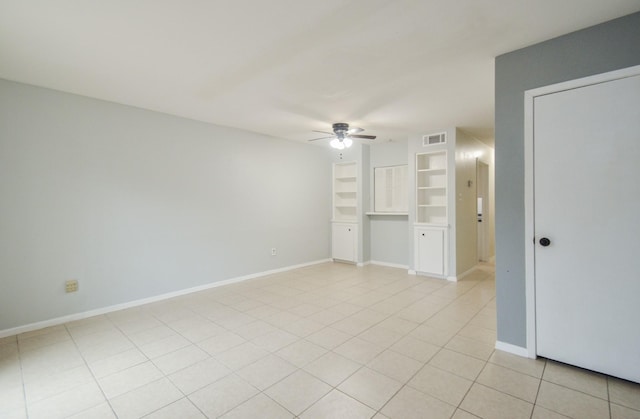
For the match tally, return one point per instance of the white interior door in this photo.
(587, 203)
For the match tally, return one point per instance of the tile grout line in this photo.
(95, 379)
(439, 350)
(24, 387)
(535, 401)
(609, 398)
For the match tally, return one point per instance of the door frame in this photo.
(482, 188)
(529, 179)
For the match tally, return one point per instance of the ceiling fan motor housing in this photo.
(341, 129)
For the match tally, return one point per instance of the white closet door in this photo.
(587, 204)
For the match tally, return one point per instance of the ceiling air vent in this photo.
(431, 139)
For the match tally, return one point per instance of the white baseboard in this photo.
(390, 265)
(412, 272)
(456, 278)
(109, 309)
(512, 349)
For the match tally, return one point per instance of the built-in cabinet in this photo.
(430, 246)
(344, 226)
(431, 222)
(344, 241)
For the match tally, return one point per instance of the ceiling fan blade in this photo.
(355, 130)
(366, 137)
(322, 138)
(323, 132)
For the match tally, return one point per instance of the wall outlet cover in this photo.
(71, 285)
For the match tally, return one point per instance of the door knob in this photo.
(544, 242)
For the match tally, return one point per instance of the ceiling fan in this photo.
(343, 135)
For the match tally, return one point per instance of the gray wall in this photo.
(134, 203)
(606, 47)
(389, 242)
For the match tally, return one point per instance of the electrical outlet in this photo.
(71, 285)
(273, 251)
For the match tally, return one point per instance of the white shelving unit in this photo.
(345, 192)
(431, 188)
(344, 229)
(431, 222)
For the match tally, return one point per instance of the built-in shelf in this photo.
(433, 170)
(345, 195)
(431, 188)
(344, 225)
(399, 214)
(440, 225)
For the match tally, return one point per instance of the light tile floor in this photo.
(325, 341)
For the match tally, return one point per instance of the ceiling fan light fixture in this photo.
(343, 136)
(337, 144)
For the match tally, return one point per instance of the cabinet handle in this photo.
(349, 229)
(422, 234)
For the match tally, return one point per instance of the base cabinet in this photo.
(430, 251)
(344, 240)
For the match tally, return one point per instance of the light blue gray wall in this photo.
(389, 242)
(134, 203)
(606, 47)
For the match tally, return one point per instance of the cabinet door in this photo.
(430, 251)
(343, 240)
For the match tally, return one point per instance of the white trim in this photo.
(346, 262)
(529, 98)
(411, 272)
(513, 349)
(456, 278)
(529, 232)
(402, 214)
(109, 309)
(390, 265)
(434, 276)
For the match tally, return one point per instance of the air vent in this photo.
(431, 139)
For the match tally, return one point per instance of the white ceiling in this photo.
(286, 67)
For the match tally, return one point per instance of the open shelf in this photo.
(431, 188)
(345, 192)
